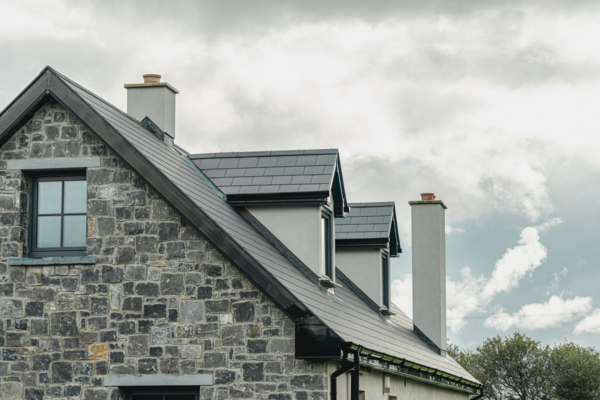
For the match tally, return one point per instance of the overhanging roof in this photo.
(168, 172)
(267, 177)
(370, 225)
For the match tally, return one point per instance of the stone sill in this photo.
(53, 260)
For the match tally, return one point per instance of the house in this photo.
(130, 269)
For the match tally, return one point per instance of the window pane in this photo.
(147, 397)
(48, 232)
(75, 231)
(180, 397)
(323, 244)
(49, 197)
(75, 197)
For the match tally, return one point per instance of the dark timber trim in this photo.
(380, 243)
(17, 113)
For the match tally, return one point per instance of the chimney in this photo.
(429, 270)
(153, 99)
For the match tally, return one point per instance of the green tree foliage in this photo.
(575, 372)
(520, 368)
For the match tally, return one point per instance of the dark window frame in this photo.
(385, 279)
(34, 251)
(163, 392)
(327, 216)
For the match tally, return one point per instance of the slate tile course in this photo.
(159, 300)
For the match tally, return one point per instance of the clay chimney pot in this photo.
(427, 196)
(152, 78)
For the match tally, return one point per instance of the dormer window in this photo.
(294, 194)
(364, 243)
(327, 243)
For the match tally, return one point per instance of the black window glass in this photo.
(385, 274)
(327, 243)
(59, 220)
(175, 394)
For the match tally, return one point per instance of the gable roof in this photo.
(369, 224)
(276, 176)
(344, 316)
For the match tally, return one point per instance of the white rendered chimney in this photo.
(153, 99)
(429, 269)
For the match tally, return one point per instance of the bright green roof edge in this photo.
(416, 366)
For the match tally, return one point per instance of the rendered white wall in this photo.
(298, 227)
(156, 103)
(429, 269)
(363, 267)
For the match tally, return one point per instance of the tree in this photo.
(514, 368)
(575, 372)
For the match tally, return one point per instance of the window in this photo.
(327, 243)
(385, 280)
(58, 219)
(176, 394)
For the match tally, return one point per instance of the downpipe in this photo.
(479, 396)
(354, 367)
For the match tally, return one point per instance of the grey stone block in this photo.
(171, 284)
(137, 346)
(243, 311)
(11, 308)
(191, 311)
(232, 335)
(61, 372)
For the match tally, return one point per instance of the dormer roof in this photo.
(369, 225)
(276, 177)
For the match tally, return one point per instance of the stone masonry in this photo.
(159, 300)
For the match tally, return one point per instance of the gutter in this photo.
(403, 367)
(354, 367)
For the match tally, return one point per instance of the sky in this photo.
(494, 106)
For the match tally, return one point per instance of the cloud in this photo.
(516, 263)
(475, 293)
(450, 229)
(549, 224)
(402, 294)
(556, 277)
(590, 324)
(552, 313)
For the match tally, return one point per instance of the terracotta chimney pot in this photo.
(152, 78)
(427, 196)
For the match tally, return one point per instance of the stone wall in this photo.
(159, 300)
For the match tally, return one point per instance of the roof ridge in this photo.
(265, 153)
(373, 204)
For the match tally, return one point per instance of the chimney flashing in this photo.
(150, 85)
(441, 203)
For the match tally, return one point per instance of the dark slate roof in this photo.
(269, 171)
(365, 222)
(346, 314)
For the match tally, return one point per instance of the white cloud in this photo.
(549, 224)
(590, 324)
(451, 229)
(516, 263)
(402, 294)
(552, 313)
(473, 294)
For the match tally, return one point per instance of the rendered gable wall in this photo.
(159, 301)
(299, 228)
(363, 267)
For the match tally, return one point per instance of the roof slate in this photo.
(269, 172)
(365, 221)
(347, 314)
